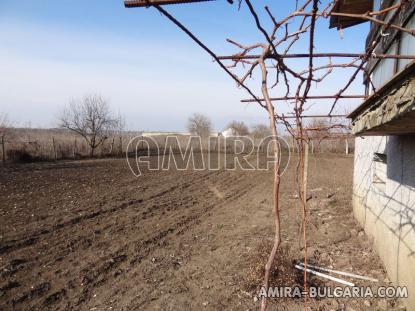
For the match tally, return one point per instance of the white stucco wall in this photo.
(387, 211)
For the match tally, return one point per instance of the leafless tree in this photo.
(200, 125)
(4, 123)
(239, 128)
(318, 122)
(260, 131)
(322, 124)
(91, 118)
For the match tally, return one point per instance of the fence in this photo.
(30, 145)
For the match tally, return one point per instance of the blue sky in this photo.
(53, 51)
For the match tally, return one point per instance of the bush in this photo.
(20, 155)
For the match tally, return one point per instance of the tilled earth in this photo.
(88, 235)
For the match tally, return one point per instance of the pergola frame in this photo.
(274, 50)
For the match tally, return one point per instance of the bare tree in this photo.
(4, 123)
(239, 128)
(318, 122)
(91, 118)
(200, 125)
(260, 131)
(319, 129)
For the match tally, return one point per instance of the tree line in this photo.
(200, 125)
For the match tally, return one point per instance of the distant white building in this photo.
(148, 134)
(230, 132)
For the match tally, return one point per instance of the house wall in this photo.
(386, 210)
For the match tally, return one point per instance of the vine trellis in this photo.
(271, 56)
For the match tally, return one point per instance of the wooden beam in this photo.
(317, 55)
(317, 116)
(147, 3)
(308, 97)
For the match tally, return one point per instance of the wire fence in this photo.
(49, 145)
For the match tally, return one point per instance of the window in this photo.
(392, 12)
(379, 176)
(385, 69)
(376, 5)
(406, 44)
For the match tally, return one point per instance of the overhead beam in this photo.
(316, 55)
(147, 3)
(316, 116)
(308, 97)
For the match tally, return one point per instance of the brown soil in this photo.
(88, 235)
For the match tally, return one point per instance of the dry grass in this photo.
(31, 145)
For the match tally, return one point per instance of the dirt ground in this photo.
(88, 235)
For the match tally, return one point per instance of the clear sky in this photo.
(150, 72)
